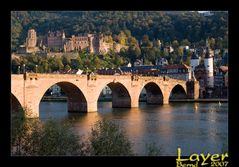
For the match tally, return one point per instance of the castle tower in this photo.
(91, 43)
(31, 40)
(208, 63)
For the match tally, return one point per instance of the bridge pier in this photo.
(166, 97)
(134, 102)
(166, 100)
(92, 106)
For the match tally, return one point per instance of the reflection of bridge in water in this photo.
(83, 91)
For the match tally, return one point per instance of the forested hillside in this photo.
(166, 26)
(139, 30)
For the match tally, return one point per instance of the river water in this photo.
(194, 127)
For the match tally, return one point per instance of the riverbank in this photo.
(64, 99)
(199, 100)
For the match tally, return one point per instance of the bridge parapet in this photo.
(55, 76)
(16, 76)
(114, 76)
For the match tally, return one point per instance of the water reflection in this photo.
(195, 127)
(196, 105)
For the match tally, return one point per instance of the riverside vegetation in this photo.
(32, 137)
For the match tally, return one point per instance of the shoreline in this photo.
(64, 99)
(200, 100)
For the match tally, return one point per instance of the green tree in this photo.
(156, 43)
(15, 65)
(16, 29)
(180, 51)
(170, 61)
(133, 53)
(148, 54)
(108, 139)
(118, 61)
(66, 60)
(57, 139)
(97, 62)
(132, 41)
(45, 66)
(157, 53)
(67, 67)
(188, 60)
(173, 59)
(185, 42)
(175, 44)
(127, 33)
(219, 43)
(55, 64)
(212, 43)
(122, 38)
(33, 137)
(146, 42)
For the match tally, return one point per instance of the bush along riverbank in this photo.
(31, 137)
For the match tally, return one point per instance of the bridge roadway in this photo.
(83, 91)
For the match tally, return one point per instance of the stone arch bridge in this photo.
(83, 91)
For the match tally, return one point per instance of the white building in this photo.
(177, 71)
(55, 90)
(79, 72)
(208, 63)
(106, 91)
(194, 61)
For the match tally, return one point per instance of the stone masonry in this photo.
(83, 91)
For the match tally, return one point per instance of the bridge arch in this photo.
(154, 94)
(178, 91)
(121, 97)
(76, 100)
(15, 104)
